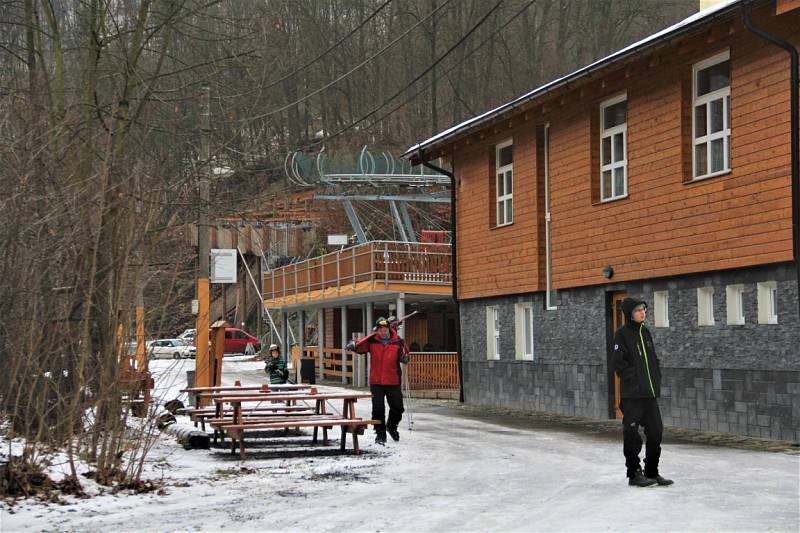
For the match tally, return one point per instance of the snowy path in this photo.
(450, 474)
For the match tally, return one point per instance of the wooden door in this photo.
(618, 320)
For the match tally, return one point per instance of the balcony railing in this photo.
(426, 370)
(378, 261)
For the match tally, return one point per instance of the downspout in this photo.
(453, 265)
(795, 134)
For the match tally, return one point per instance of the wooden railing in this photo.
(337, 362)
(426, 370)
(383, 261)
(433, 371)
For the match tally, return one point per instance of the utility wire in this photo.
(343, 76)
(330, 48)
(409, 85)
(386, 102)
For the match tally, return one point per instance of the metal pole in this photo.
(385, 265)
(367, 331)
(401, 311)
(284, 328)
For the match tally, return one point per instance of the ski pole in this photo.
(408, 395)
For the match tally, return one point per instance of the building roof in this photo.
(705, 16)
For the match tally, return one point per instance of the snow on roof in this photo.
(718, 9)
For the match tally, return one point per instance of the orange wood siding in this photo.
(668, 225)
(499, 259)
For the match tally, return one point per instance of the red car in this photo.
(236, 341)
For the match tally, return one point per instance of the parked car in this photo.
(236, 341)
(170, 348)
(188, 335)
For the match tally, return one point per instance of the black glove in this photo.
(271, 368)
(350, 346)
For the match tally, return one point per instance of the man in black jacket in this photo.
(636, 363)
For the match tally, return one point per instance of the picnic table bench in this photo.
(320, 418)
(207, 414)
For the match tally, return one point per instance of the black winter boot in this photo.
(380, 436)
(393, 433)
(662, 480)
(638, 480)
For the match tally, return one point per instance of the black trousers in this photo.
(394, 397)
(641, 412)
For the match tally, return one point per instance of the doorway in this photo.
(616, 318)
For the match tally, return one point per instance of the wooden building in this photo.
(343, 292)
(661, 172)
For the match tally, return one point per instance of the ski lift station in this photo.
(325, 301)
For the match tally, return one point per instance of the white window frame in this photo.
(661, 309)
(507, 198)
(705, 306)
(521, 352)
(492, 332)
(734, 297)
(610, 134)
(767, 302)
(705, 100)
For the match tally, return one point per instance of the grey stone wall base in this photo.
(740, 379)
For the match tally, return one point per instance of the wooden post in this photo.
(321, 341)
(343, 311)
(301, 341)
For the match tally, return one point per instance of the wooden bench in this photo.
(219, 423)
(202, 415)
(354, 426)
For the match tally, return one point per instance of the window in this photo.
(735, 299)
(524, 331)
(661, 309)
(705, 306)
(492, 332)
(613, 148)
(504, 185)
(768, 302)
(711, 124)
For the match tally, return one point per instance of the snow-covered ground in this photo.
(449, 474)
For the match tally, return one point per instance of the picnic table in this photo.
(201, 415)
(198, 392)
(317, 418)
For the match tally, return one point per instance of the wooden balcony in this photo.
(375, 267)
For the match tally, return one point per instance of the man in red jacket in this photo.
(387, 350)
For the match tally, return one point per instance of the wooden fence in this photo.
(433, 371)
(426, 370)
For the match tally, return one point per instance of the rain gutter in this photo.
(453, 265)
(795, 132)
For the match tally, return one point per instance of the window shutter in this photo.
(490, 332)
(519, 331)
